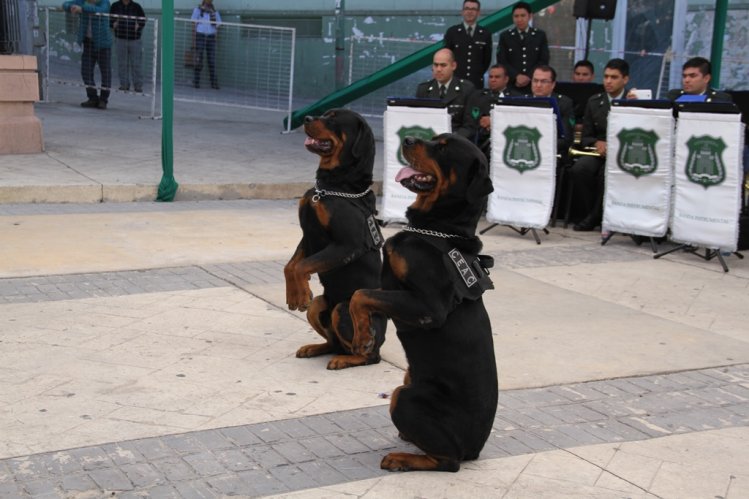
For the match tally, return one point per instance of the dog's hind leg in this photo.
(343, 328)
(403, 461)
(318, 316)
(426, 425)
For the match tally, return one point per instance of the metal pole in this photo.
(168, 186)
(340, 54)
(291, 79)
(719, 30)
(155, 66)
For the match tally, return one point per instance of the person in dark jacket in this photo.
(94, 36)
(695, 80)
(128, 19)
(479, 105)
(471, 44)
(588, 172)
(522, 48)
(452, 91)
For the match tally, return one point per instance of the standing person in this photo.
(206, 20)
(522, 48)
(453, 92)
(94, 36)
(127, 32)
(471, 44)
(588, 171)
(695, 80)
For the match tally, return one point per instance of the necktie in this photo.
(443, 91)
(470, 31)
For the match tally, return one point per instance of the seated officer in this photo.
(480, 102)
(542, 85)
(695, 80)
(452, 91)
(588, 171)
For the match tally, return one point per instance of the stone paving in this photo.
(342, 446)
(316, 451)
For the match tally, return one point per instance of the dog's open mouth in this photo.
(318, 146)
(415, 181)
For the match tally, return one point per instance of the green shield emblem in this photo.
(637, 151)
(475, 113)
(705, 162)
(521, 148)
(412, 131)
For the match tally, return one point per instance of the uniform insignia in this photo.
(374, 231)
(469, 278)
(412, 131)
(637, 151)
(521, 148)
(475, 112)
(705, 163)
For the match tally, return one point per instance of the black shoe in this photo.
(139, 90)
(102, 104)
(585, 225)
(124, 88)
(90, 103)
(214, 86)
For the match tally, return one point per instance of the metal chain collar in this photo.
(320, 193)
(434, 233)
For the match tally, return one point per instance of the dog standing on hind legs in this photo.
(432, 282)
(340, 237)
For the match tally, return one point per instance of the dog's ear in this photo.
(364, 140)
(480, 184)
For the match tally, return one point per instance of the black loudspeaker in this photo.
(595, 9)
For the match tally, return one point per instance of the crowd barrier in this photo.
(254, 64)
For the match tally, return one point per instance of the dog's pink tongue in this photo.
(406, 172)
(309, 141)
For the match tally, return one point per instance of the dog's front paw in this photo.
(299, 298)
(314, 350)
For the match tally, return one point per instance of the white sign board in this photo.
(639, 171)
(399, 122)
(523, 166)
(707, 186)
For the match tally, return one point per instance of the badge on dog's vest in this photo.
(463, 268)
(374, 231)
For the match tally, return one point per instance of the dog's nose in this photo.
(309, 119)
(409, 141)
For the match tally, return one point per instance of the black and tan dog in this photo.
(340, 237)
(432, 284)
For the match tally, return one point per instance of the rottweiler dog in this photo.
(432, 282)
(341, 240)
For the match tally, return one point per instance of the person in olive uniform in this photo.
(479, 104)
(588, 171)
(542, 85)
(522, 48)
(471, 44)
(695, 80)
(451, 90)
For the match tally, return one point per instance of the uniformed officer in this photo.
(480, 102)
(471, 44)
(542, 85)
(522, 48)
(695, 80)
(588, 171)
(451, 90)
